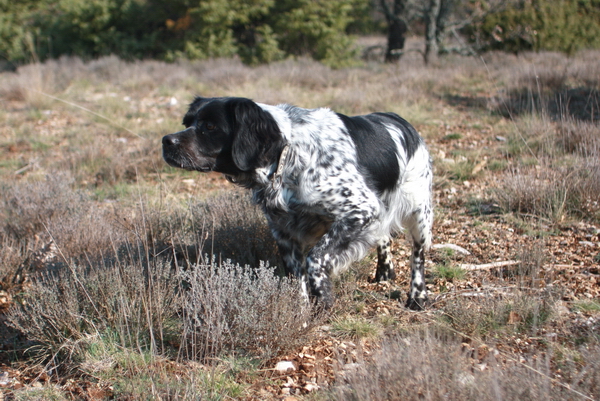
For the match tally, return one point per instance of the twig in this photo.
(454, 247)
(489, 265)
(28, 166)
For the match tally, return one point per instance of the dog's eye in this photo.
(210, 126)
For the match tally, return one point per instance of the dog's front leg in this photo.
(294, 260)
(341, 245)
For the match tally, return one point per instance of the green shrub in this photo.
(355, 328)
(566, 26)
(449, 272)
(259, 31)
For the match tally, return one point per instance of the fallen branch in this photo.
(454, 247)
(489, 265)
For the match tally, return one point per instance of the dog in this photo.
(331, 186)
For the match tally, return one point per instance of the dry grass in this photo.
(434, 366)
(237, 230)
(133, 304)
(490, 316)
(560, 176)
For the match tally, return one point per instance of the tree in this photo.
(445, 17)
(441, 18)
(397, 28)
(433, 31)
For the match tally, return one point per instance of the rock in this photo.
(284, 366)
(5, 380)
(466, 379)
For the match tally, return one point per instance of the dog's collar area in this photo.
(277, 178)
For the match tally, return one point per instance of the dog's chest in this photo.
(302, 226)
(294, 219)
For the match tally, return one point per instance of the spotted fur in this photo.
(345, 184)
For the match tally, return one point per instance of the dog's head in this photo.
(227, 135)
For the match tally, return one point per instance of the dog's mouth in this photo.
(203, 169)
(174, 159)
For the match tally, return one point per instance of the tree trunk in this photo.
(397, 29)
(431, 40)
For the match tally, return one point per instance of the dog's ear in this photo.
(256, 134)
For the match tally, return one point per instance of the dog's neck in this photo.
(277, 178)
(268, 176)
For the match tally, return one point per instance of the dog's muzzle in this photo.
(170, 141)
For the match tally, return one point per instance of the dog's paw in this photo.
(416, 304)
(384, 275)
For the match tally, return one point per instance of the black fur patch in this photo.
(376, 151)
(411, 138)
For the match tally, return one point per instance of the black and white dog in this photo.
(331, 186)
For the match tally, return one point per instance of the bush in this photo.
(236, 229)
(259, 31)
(490, 316)
(242, 310)
(49, 210)
(316, 28)
(566, 26)
(552, 193)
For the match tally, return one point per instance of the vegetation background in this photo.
(122, 278)
(262, 31)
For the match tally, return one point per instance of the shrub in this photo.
(258, 31)
(354, 328)
(553, 194)
(49, 210)
(140, 375)
(449, 272)
(564, 180)
(489, 316)
(566, 26)
(252, 312)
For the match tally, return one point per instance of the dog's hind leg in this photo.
(419, 226)
(385, 267)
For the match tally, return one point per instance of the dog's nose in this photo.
(170, 140)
